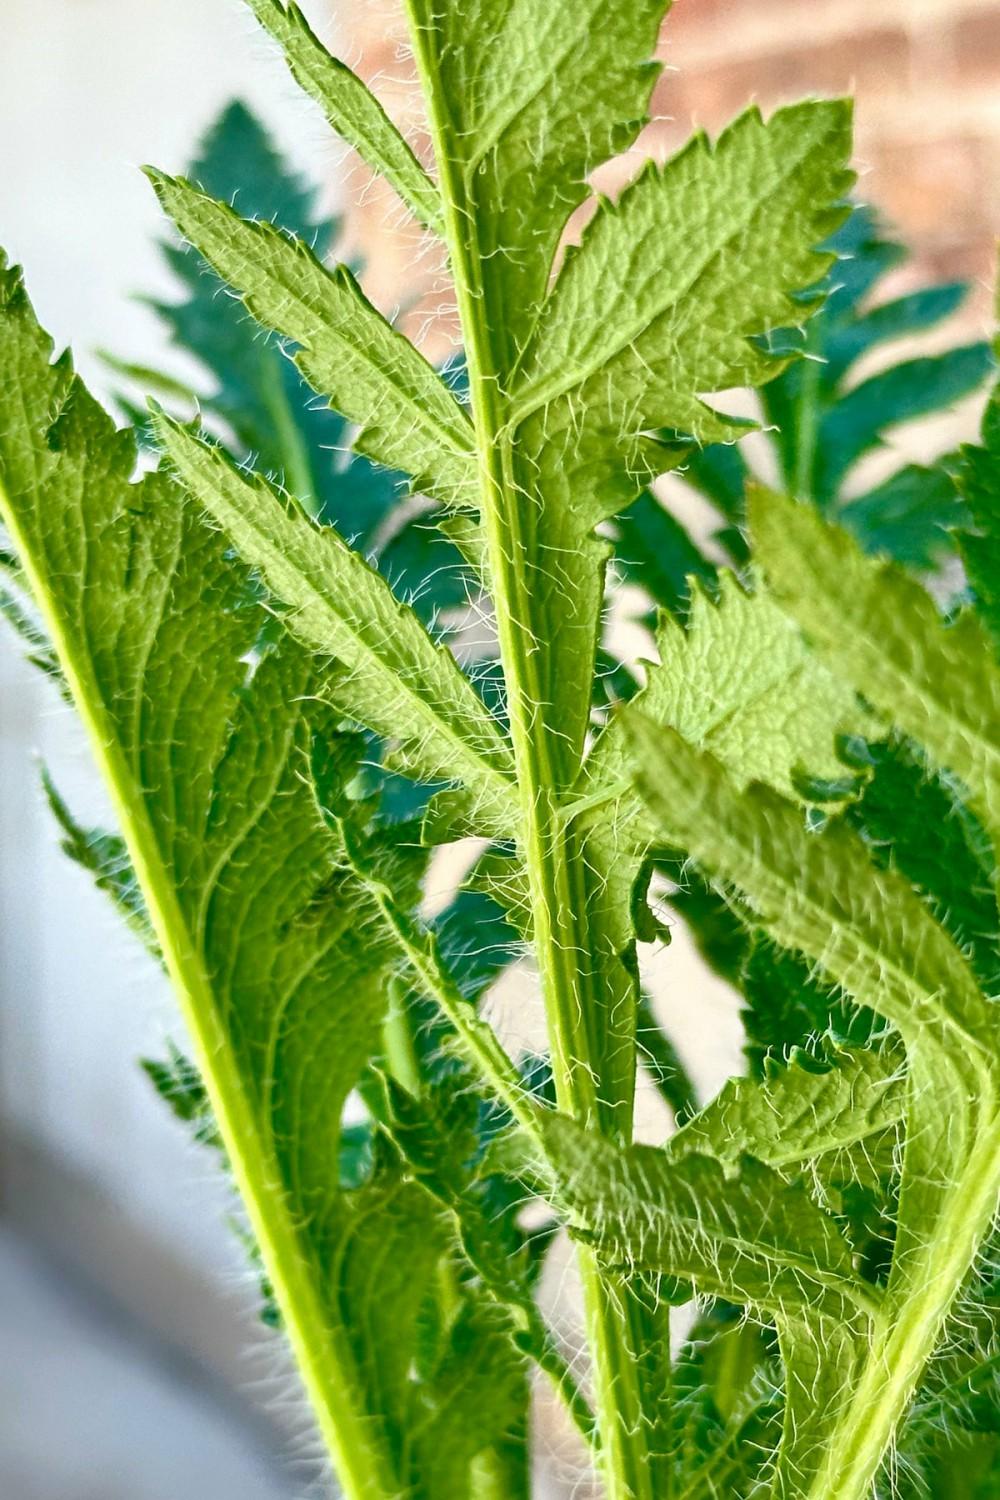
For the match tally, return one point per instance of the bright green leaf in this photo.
(395, 679)
(351, 108)
(347, 351)
(880, 631)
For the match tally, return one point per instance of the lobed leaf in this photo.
(854, 426)
(750, 1237)
(737, 680)
(272, 944)
(763, 200)
(351, 108)
(396, 680)
(878, 629)
(818, 893)
(514, 73)
(800, 1111)
(408, 418)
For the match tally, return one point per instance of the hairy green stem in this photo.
(547, 845)
(910, 1327)
(321, 1350)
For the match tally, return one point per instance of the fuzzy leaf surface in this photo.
(752, 1233)
(817, 893)
(271, 942)
(408, 418)
(800, 1111)
(396, 680)
(514, 73)
(882, 632)
(351, 108)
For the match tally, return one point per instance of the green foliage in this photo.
(824, 418)
(262, 924)
(264, 639)
(979, 481)
(408, 418)
(940, 682)
(256, 396)
(351, 108)
(392, 674)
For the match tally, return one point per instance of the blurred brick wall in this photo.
(926, 75)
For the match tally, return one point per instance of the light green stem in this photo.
(799, 476)
(911, 1327)
(320, 1347)
(559, 924)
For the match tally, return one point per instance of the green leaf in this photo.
(979, 481)
(663, 1063)
(720, 473)
(917, 823)
(909, 516)
(515, 77)
(819, 422)
(787, 1003)
(735, 248)
(856, 424)
(749, 1236)
(852, 336)
(940, 683)
(395, 679)
(180, 1086)
(737, 680)
(800, 1110)
(257, 924)
(440, 1148)
(275, 948)
(817, 893)
(654, 550)
(259, 398)
(105, 856)
(258, 395)
(869, 931)
(417, 945)
(823, 419)
(408, 418)
(351, 108)
(16, 609)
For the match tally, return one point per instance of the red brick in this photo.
(706, 20)
(879, 62)
(933, 189)
(976, 40)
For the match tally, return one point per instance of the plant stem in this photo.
(910, 1328)
(320, 1347)
(800, 476)
(547, 844)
